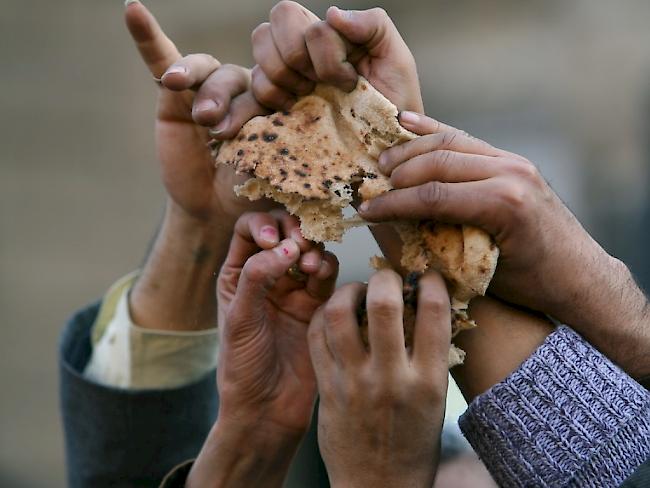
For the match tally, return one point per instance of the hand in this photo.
(196, 93)
(264, 367)
(381, 410)
(548, 261)
(176, 288)
(265, 378)
(296, 49)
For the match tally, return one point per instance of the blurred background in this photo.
(567, 84)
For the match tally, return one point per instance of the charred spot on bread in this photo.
(269, 136)
(284, 151)
(253, 137)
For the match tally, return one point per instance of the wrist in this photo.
(176, 289)
(237, 453)
(612, 313)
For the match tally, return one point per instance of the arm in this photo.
(548, 262)
(545, 408)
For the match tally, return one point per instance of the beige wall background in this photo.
(565, 83)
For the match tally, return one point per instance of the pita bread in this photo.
(313, 158)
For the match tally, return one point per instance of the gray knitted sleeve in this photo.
(568, 417)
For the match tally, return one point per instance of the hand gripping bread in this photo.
(313, 159)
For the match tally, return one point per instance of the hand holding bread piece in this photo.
(314, 159)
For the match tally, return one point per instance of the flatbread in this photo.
(313, 158)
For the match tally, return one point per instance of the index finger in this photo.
(156, 49)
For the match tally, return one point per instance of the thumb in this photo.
(259, 275)
(156, 49)
(372, 28)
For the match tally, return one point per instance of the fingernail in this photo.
(129, 2)
(312, 261)
(270, 233)
(364, 207)
(287, 249)
(204, 105)
(407, 117)
(220, 127)
(172, 70)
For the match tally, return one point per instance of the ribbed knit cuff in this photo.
(567, 417)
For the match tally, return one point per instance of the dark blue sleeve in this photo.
(133, 438)
(126, 438)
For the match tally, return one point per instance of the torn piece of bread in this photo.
(313, 158)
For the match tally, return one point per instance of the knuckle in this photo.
(442, 157)
(334, 312)
(295, 58)
(277, 73)
(513, 194)
(434, 302)
(448, 139)
(316, 31)
(432, 193)
(527, 171)
(429, 389)
(384, 304)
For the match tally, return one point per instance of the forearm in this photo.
(504, 339)
(566, 417)
(612, 313)
(176, 289)
(246, 456)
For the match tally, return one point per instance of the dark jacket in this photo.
(133, 438)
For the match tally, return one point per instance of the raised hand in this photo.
(548, 261)
(264, 311)
(381, 410)
(295, 49)
(269, 287)
(197, 94)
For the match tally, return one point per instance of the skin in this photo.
(200, 99)
(548, 261)
(176, 287)
(264, 376)
(381, 409)
(295, 49)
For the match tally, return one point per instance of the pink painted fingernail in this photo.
(287, 248)
(270, 233)
(407, 117)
